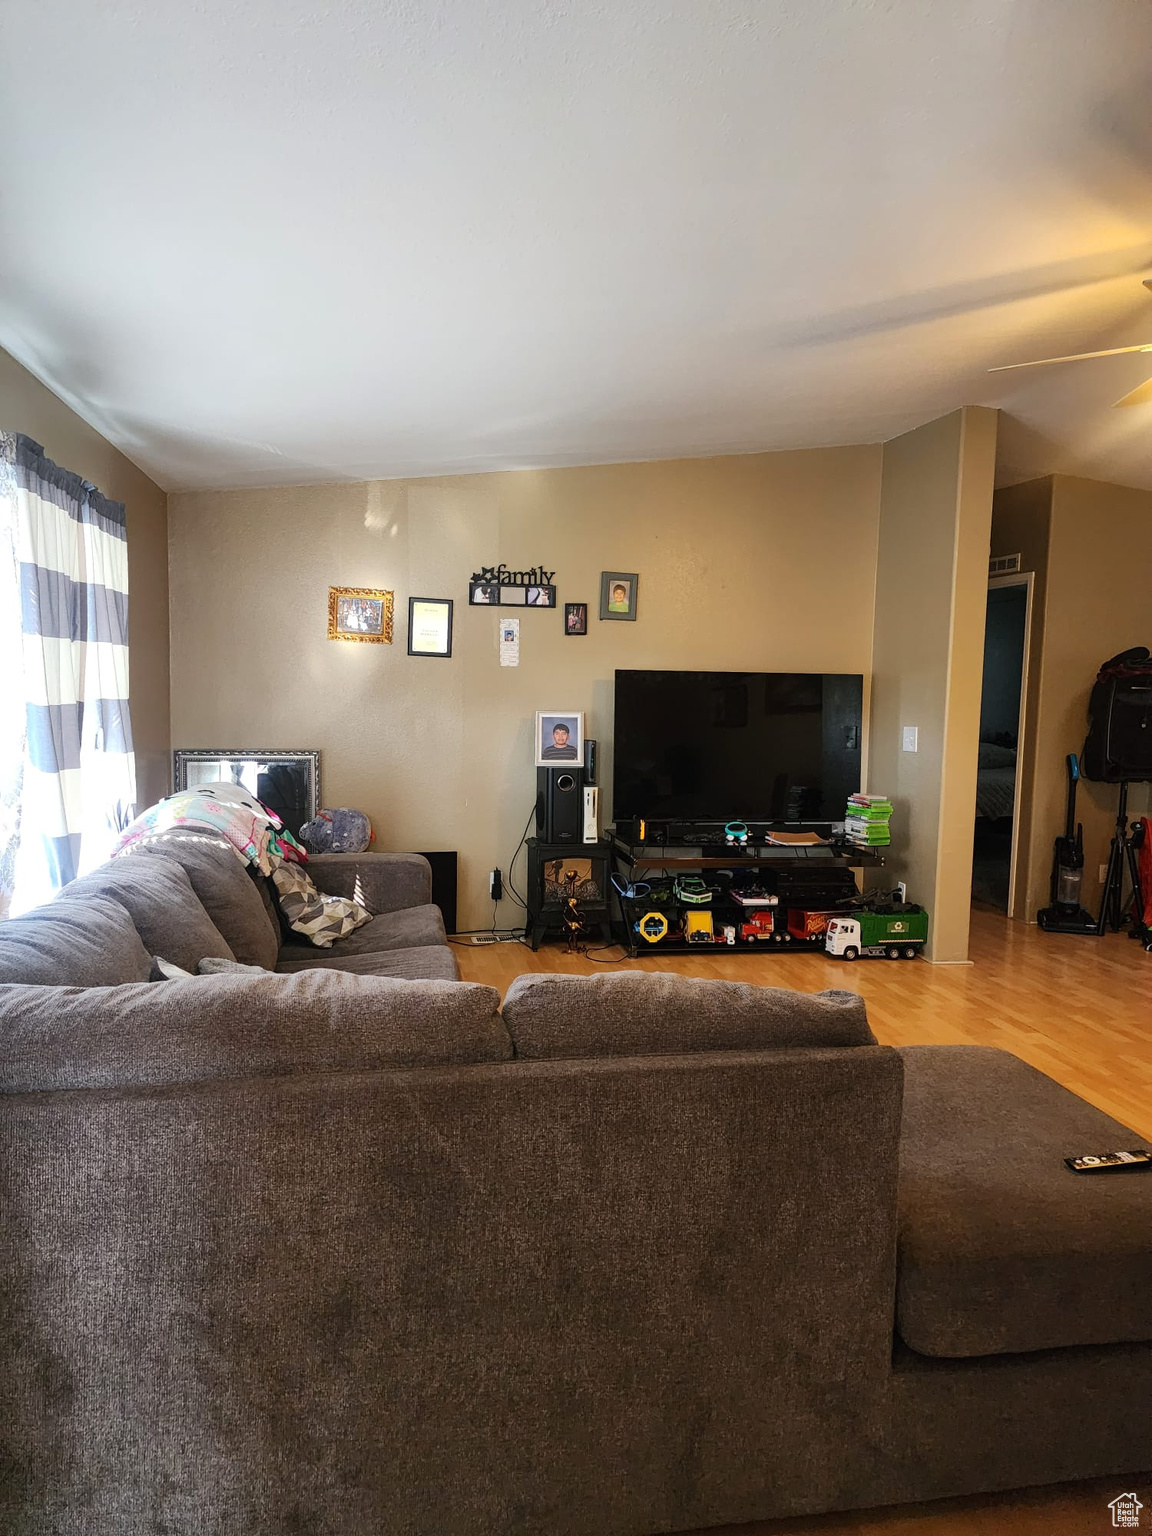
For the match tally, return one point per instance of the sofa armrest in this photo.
(382, 882)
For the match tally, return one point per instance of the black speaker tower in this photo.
(560, 805)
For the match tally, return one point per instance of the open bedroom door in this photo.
(1003, 692)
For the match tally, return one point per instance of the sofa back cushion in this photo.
(165, 910)
(240, 1025)
(633, 1013)
(225, 889)
(73, 943)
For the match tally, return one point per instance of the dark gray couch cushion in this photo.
(427, 962)
(226, 891)
(405, 929)
(1002, 1248)
(635, 1013)
(72, 943)
(165, 910)
(382, 882)
(241, 1025)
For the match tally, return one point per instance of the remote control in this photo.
(1111, 1162)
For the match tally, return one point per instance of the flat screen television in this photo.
(724, 746)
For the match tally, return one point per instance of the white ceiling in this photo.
(258, 241)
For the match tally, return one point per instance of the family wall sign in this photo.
(495, 586)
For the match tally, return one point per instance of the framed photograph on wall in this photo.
(484, 594)
(618, 594)
(429, 626)
(360, 613)
(541, 597)
(575, 618)
(559, 737)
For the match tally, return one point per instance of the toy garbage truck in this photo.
(898, 933)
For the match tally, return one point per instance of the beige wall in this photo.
(1098, 602)
(30, 407)
(760, 561)
(931, 580)
(1021, 516)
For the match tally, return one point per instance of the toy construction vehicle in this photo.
(698, 928)
(894, 930)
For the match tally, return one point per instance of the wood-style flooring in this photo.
(1079, 1009)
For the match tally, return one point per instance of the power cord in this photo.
(516, 896)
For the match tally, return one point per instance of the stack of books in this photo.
(866, 821)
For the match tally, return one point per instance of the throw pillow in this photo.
(213, 967)
(320, 919)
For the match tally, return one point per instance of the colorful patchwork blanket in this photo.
(258, 837)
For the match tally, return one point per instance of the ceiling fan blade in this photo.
(1139, 396)
(1074, 357)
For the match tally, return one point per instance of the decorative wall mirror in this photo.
(287, 782)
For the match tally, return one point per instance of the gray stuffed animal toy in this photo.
(341, 831)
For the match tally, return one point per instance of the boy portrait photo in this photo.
(618, 594)
(559, 738)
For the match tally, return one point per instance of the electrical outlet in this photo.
(911, 738)
(1103, 875)
(496, 885)
(903, 889)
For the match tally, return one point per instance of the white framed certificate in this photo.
(429, 626)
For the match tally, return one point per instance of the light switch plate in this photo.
(911, 738)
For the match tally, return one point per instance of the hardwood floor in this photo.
(1079, 1009)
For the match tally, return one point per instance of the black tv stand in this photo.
(804, 876)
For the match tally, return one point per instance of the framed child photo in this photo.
(618, 594)
(575, 618)
(360, 613)
(559, 737)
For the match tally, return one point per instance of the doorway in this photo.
(1002, 696)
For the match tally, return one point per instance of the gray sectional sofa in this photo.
(312, 1251)
(190, 898)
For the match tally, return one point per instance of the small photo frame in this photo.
(360, 613)
(429, 626)
(484, 594)
(575, 618)
(541, 597)
(618, 594)
(559, 737)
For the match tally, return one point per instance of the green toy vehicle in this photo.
(692, 891)
(898, 932)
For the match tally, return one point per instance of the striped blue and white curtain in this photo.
(77, 778)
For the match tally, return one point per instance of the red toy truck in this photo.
(808, 927)
(760, 926)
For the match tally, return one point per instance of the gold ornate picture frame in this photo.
(360, 613)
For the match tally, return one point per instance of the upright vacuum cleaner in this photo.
(1066, 915)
